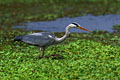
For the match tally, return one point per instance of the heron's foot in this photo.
(55, 56)
(40, 57)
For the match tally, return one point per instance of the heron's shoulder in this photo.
(43, 34)
(49, 34)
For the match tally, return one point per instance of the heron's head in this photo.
(76, 25)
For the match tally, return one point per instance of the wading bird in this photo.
(45, 39)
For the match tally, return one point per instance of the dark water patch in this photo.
(90, 22)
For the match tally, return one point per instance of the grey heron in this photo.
(45, 39)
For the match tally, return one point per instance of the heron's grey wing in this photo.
(39, 39)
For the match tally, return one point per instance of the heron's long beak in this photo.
(79, 27)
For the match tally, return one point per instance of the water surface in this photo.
(90, 22)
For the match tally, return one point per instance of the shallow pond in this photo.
(90, 22)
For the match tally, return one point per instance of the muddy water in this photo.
(90, 22)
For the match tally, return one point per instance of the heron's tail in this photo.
(19, 38)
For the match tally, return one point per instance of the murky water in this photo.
(89, 22)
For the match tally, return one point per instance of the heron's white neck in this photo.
(65, 36)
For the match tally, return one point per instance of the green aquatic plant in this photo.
(83, 59)
(116, 28)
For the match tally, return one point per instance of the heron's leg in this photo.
(39, 53)
(43, 52)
